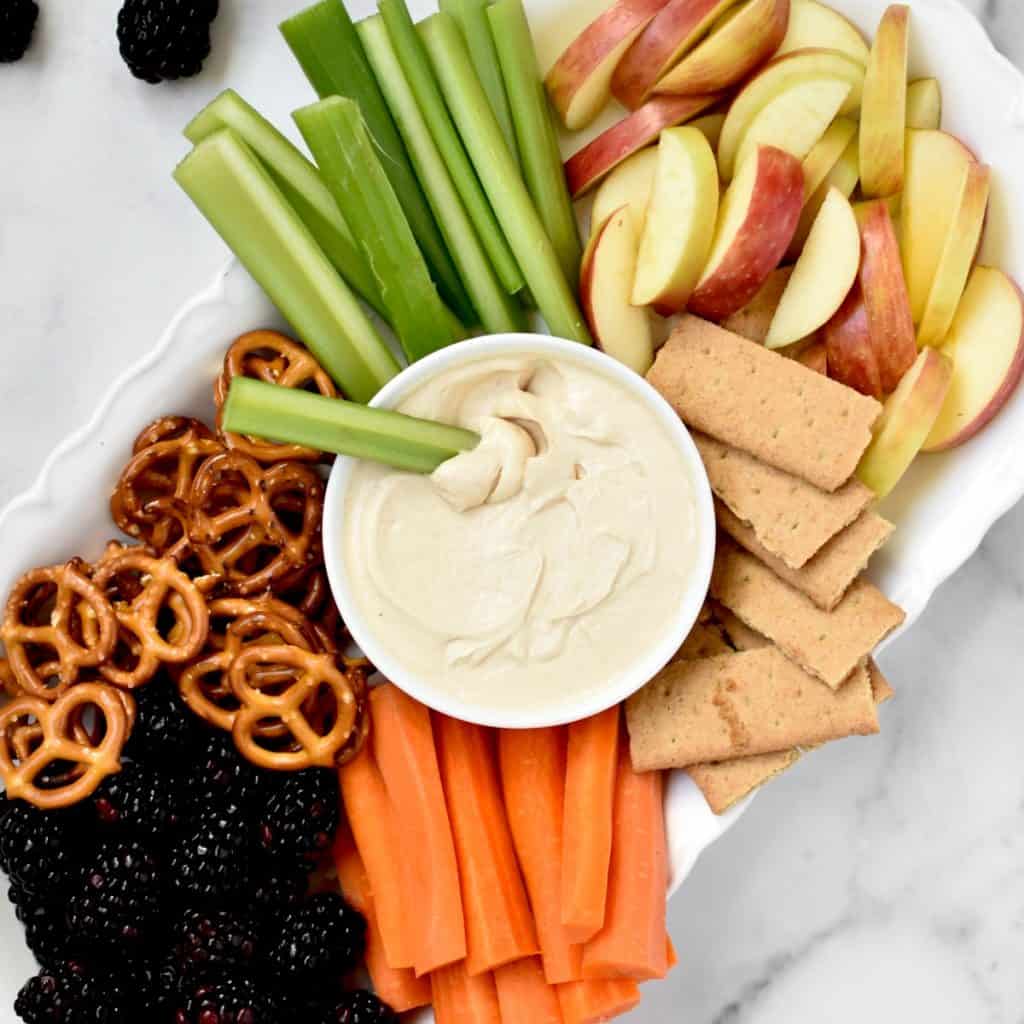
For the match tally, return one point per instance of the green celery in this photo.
(239, 198)
(298, 179)
(326, 45)
(292, 416)
(538, 143)
(337, 137)
(500, 177)
(499, 312)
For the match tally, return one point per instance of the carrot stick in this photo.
(377, 838)
(633, 943)
(593, 1002)
(462, 999)
(533, 778)
(399, 988)
(403, 742)
(671, 957)
(587, 830)
(499, 925)
(524, 995)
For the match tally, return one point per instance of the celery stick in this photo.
(538, 143)
(420, 77)
(499, 312)
(325, 43)
(298, 179)
(239, 198)
(291, 416)
(471, 16)
(337, 137)
(500, 177)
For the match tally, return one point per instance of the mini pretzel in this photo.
(8, 684)
(90, 762)
(48, 647)
(271, 357)
(313, 674)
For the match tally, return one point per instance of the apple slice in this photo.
(755, 318)
(680, 222)
(676, 29)
(924, 104)
(885, 294)
(814, 25)
(847, 339)
(586, 167)
(986, 345)
(579, 82)
(815, 357)
(826, 154)
(756, 220)
(711, 126)
(883, 121)
(937, 166)
(774, 80)
(823, 275)
(734, 49)
(907, 419)
(629, 184)
(606, 274)
(957, 257)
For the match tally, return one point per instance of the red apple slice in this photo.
(815, 25)
(851, 356)
(755, 318)
(815, 357)
(924, 104)
(629, 184)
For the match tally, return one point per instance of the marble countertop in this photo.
(879, 880)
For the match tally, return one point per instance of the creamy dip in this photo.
(537, 567)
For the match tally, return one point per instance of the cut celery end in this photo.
(286, 415)
(298, 179)
(499, 312)
(500, 177)
(326, 45)
(239, 198)
(337, 137)
(418, 73)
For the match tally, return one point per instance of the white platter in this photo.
(943, 509)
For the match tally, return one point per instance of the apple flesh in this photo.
(924, 104)
(827, 153)
(754, 320)
(907, 419)
(680, 222)
(843, 176)
(849, 351)
(986, 347)
(629, 184)
(711, 126)
(756, 221)
(606, 274)
(814, 25)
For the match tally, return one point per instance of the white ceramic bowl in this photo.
(648, 662)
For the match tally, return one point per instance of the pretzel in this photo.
(144, 589)
(24, 761)
(56, 623)
(271, 357)
(315, 675)
(8, 684)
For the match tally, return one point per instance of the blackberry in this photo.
(118, 905)
(71, 993)
(17, 20)
(359, 1007)
(165, 730)
(204, 941)
(46, 928)
(140, 800)
(210, 862)
(322, 937)
(275, 886)
(301, 814)
(225, 999)
(42, 850)
(220, 776)
(165, 39)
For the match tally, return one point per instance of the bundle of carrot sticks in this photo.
(507, 877)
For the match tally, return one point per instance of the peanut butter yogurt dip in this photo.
(538, 566)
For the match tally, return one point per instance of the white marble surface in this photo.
(881, 879)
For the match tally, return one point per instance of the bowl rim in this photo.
(619, 687)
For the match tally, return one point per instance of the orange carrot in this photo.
(499, 925)
(377, 838)
(593, 1002)
(461, 999)
(587, 831)
(524, 995)
(533, 778)
(399, 988)
(403, 742)
(671, 957)
(633, 943)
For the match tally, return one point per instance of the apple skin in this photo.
(849, 352)
(755, 318)
(742, 262)
(815, 357)
(816, 25)
(586, 167)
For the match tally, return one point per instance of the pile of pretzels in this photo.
(223, 589)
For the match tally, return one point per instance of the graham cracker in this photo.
(705, 640)
(738, 633)
(755, 318)
(826, 576)
(791, 519)
(880, 688)
(772, 407)
(830, 645)
(735, 705)
(727, 782)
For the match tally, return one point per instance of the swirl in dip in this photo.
(536, 567)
